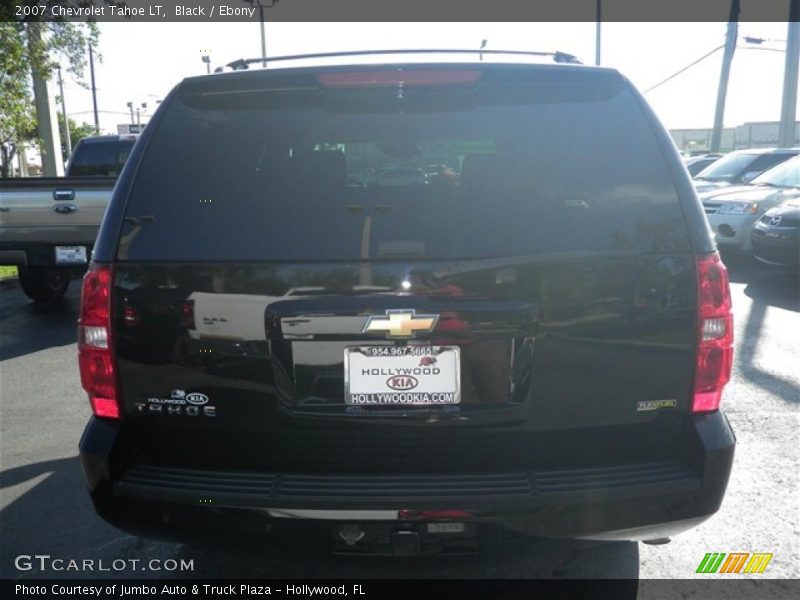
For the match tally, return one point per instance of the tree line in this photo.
(35, 46)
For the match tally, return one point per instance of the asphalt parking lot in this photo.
(45, 510)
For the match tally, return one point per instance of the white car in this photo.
(732, 213)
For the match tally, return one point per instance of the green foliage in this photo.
(34, 45)
(17, 122)
(8, 272)
(76, 134)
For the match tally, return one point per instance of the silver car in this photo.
(740, 167)
(733, 212)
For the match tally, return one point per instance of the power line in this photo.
(687, 67)
(764, 49)
(107, 112)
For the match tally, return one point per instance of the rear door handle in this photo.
(64, 195)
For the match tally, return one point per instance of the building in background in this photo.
(128, 128)
(749, 135)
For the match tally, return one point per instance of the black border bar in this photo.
(221, 11)
(734, 588)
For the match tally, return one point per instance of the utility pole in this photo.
(787, 130)
(261, 7)
(263, 36)
(94, 90)
(22, 156)
(727, 59)
(64, 111)
(598, 21)
(46, 119)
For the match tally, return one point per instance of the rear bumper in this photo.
(13, 257)
(775, 248)
(41, 256)
(621, 501)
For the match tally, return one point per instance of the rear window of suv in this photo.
(100, 159)
(504, 168)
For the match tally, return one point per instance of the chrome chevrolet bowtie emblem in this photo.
(400, 323)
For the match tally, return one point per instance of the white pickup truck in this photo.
(48, 225)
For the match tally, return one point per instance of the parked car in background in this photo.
(733, 212)
(48, 225)
(741, 166)
(695, 164)
(100, 156)
(408, 368)
(776, 235)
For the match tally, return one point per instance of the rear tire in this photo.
(43, 285)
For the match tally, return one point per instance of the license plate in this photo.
(402, 375)
(70, 254)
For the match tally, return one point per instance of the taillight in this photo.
(97, 365)
(715, 335)
(187, 314)
(398, 77)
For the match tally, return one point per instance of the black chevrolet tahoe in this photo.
(532, 338)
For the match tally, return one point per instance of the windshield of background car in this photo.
(506, 166)
(786, 174)
(100, 159)
(734, 166)
(727, 168)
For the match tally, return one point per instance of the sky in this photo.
(141, 62)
